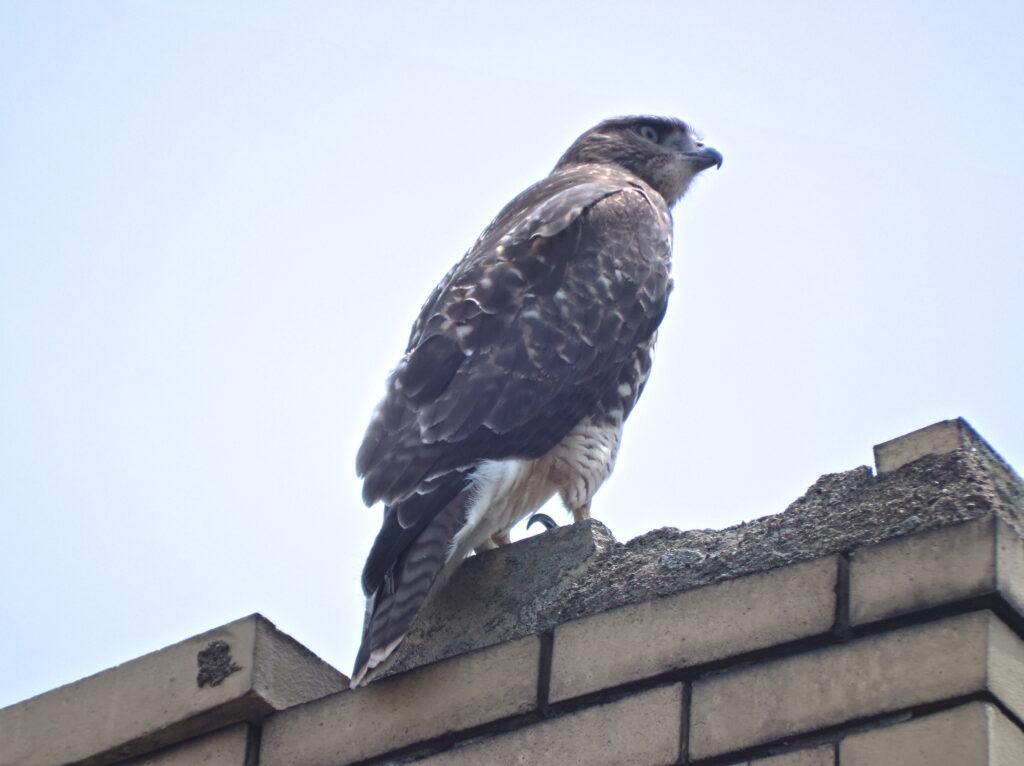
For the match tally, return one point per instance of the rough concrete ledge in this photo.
(502, 594)
(936, 477)
(242, 671)
(839, 512)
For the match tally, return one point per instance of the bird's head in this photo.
(663, 151)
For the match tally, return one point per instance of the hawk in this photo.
(522, 366)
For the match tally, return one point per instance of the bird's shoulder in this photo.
(552, 204)
(609, 196)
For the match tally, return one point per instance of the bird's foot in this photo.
(501, 538)
(496, 540)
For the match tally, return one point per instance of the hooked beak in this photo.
(704, 157)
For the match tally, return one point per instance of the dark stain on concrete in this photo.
(215, 664)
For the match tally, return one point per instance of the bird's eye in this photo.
(649, 133)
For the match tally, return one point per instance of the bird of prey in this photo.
(523, 365)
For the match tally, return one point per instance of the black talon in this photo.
(542, 518)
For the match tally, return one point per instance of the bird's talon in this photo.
(543, 519)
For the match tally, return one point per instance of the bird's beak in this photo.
(704, 157)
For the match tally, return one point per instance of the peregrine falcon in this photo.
(522, 366)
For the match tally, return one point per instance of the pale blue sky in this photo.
(218, 220)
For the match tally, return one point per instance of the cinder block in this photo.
(818, 756)
(454, 694)
(1006, 666)
(936, 439)
(693, 627)
(889, 672)
(642, 730)
(241, 671)
(226, 747)
(913, 573)
(1005, 740)
(977, 734)
(1010, 565)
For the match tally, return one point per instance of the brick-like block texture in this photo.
(247, 668)
(418, 705)
(693, 627)
(226, 747)
(818, 756)
(888, 672)
(642, 730)
(913, 573)
(977, 734)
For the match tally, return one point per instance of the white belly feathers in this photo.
(506, 491)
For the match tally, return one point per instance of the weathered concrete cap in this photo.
(499, 595)
(937, 439)
(242, 671)
(839, 512)
(939, 476)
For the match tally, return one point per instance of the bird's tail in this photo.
(406, 589)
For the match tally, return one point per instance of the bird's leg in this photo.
(496, 540)
(501, 538)
(576, 503)
(580, 512)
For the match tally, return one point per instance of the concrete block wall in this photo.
(879, 620)
(217, 686)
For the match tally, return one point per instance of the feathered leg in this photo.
(581, 512)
